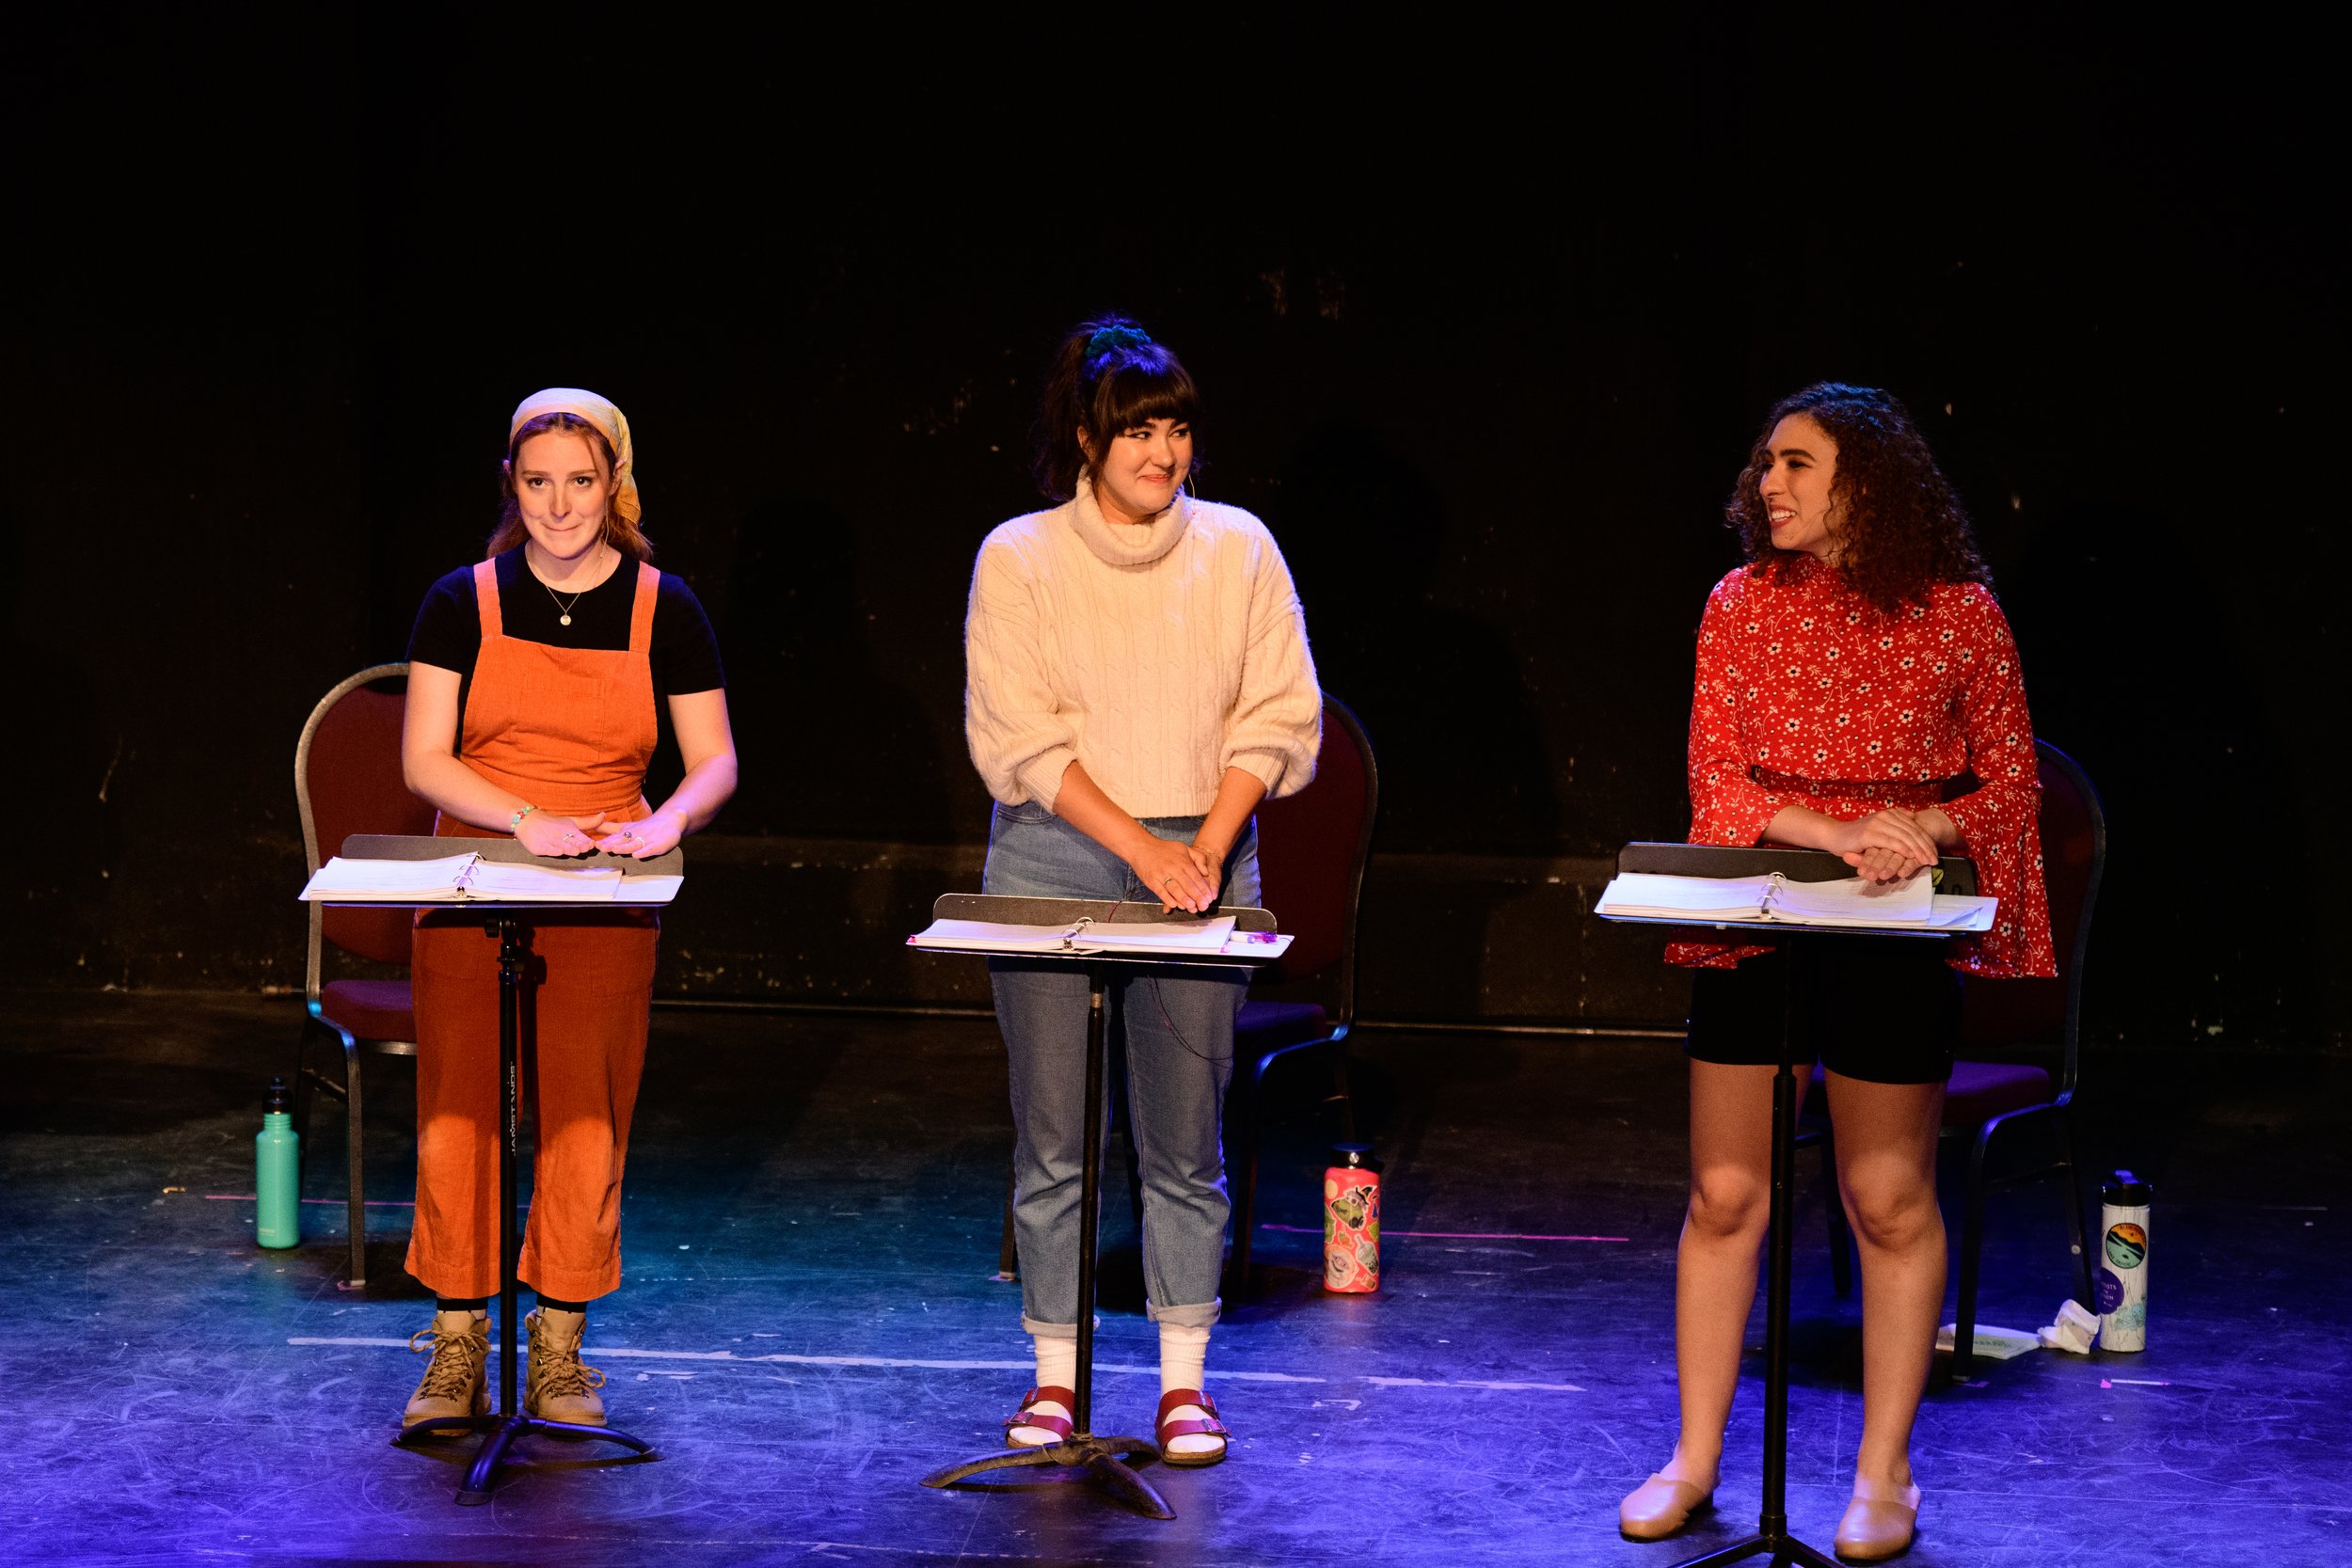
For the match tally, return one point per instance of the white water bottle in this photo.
(2123, 1263)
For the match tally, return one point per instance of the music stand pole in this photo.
(1771, 1526)
(1103, 1458)
(507, 1423)
(1953, 874)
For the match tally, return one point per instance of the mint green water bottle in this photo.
(277, 1174)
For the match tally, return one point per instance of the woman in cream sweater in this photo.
(1137, 680)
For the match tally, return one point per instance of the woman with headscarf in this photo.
(1137, 680)
(532, 680)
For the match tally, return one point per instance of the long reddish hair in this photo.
(620, 533)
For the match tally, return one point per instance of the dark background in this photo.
(1487, 311)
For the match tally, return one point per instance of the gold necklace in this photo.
(564, 616)
(563, 611)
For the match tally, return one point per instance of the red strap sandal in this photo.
(1163, 1429)
(1058, 1425)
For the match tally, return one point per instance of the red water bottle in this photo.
(1351, 1221)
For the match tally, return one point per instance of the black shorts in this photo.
(1884, 1011)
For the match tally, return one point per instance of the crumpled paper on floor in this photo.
(2073, 1331)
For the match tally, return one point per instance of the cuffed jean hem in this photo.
(1054, 1331)
(1200, 1316)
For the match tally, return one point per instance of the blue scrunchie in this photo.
(1110, 337)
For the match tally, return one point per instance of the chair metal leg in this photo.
(1971, 1250)
(357, 1201)
(301, 1106)
(1341, 1089)
(2085, 1292)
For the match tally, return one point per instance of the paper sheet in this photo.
(648, 890)
(1960, 912)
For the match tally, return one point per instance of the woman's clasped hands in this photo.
(1181, 875)
(1890, 846)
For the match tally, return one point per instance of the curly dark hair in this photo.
(1899, 527)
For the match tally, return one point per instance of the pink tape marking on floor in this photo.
(1452, 1235)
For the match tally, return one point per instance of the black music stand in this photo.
(1952, 874)
(1099, 1457)
(507, 921)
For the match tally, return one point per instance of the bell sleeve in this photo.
(2001, 817)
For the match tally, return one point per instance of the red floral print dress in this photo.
(1807, 695)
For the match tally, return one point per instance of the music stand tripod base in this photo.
(1104, 1460)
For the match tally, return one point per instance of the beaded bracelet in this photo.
(516, 820)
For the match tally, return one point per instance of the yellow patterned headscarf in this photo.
(607, 418)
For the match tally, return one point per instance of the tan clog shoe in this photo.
(1661, 1506)
(1879, 1523)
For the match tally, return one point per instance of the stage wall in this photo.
(1484, 351)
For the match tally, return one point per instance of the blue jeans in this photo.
(1179, 1028)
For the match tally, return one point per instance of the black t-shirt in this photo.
(685, 650)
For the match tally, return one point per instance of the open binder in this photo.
(1086, 935)
(1775, 899)
(472, 878)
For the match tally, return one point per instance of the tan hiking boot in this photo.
(557, 1388)
(454, 1384)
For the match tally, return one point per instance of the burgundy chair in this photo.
(347, 779)
(1312, 848)
(1985, 1101)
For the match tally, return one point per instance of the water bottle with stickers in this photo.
(1351, 1221)
(2123, 1263)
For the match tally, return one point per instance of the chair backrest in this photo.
(1311, 852)
(2073, 857)
(347, 779)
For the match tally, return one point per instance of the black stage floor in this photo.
(810, 1323)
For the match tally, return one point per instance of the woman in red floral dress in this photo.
(1857, 691)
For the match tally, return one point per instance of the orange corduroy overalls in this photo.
(569, 730)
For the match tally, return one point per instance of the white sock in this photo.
(1184, 1351)
(1056, 1368)
(1056, 1361)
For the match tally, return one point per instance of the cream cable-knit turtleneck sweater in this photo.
(1159, 653)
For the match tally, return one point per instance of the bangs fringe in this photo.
(1149, 386)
